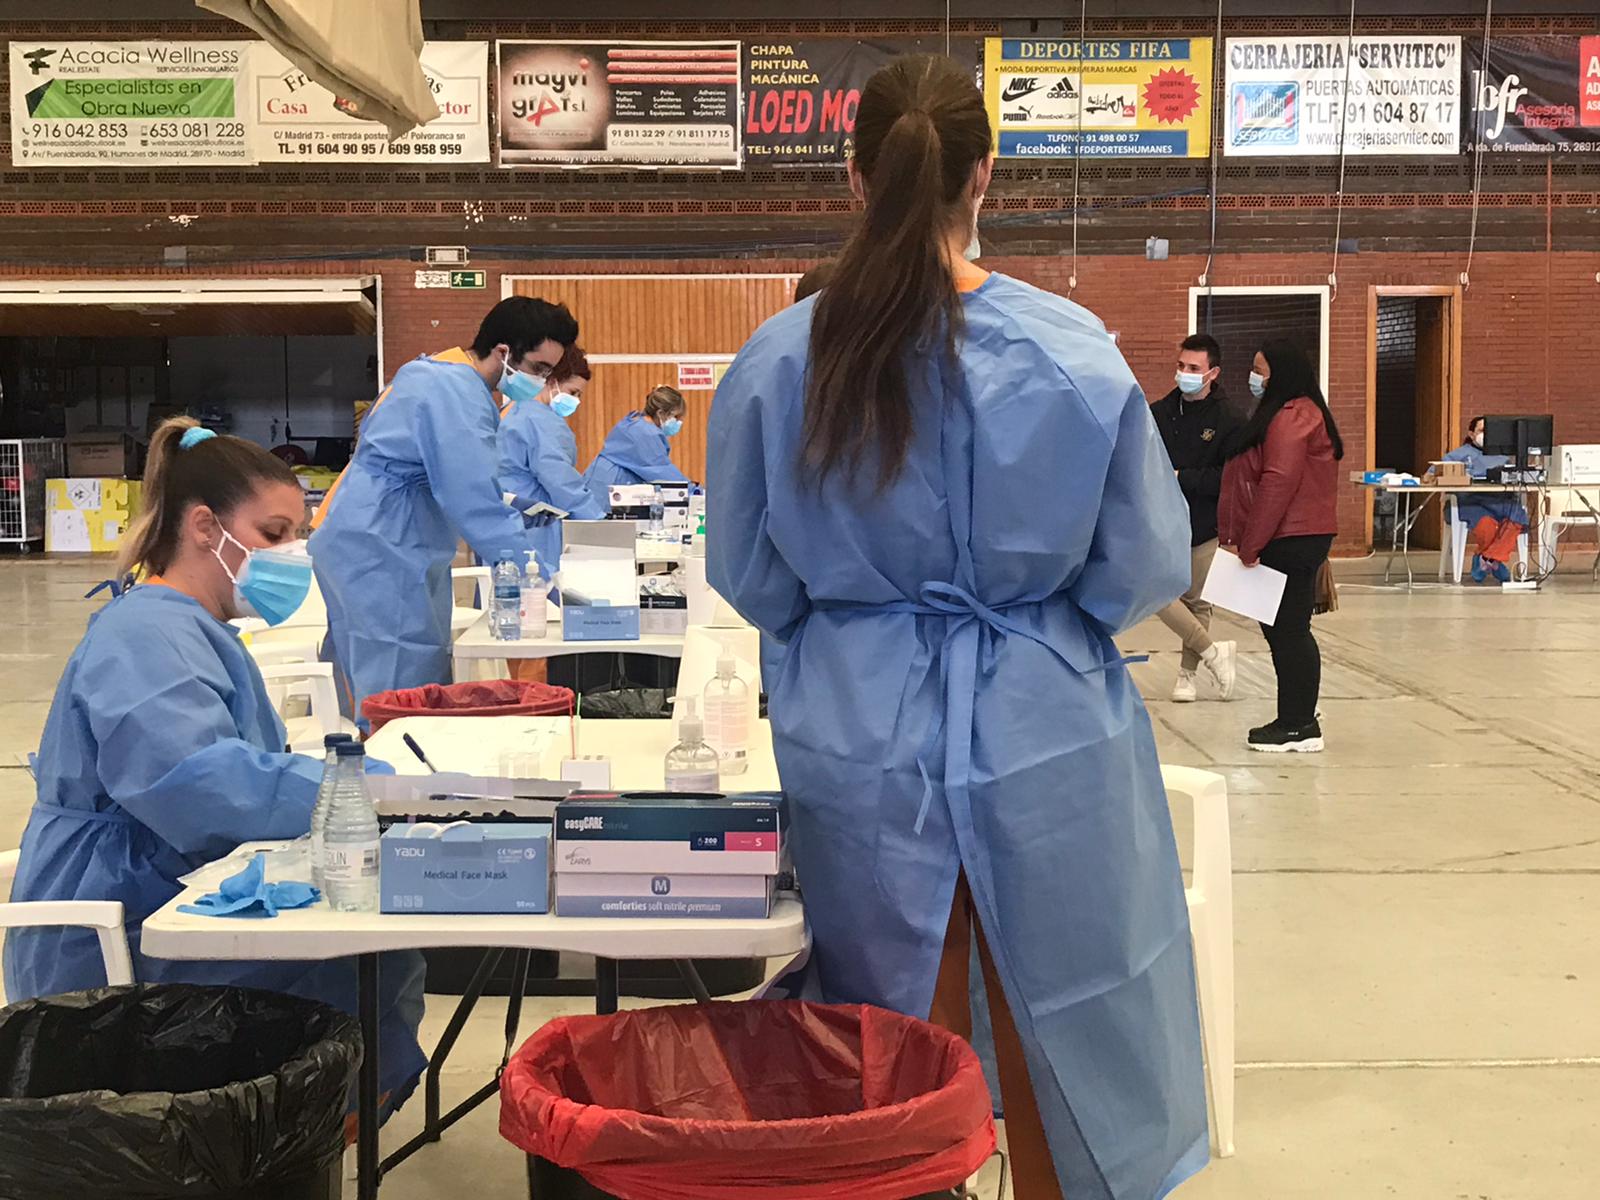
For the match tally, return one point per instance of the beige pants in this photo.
(1189, 616)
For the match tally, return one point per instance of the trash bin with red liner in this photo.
(484, 698)
(764, 1100)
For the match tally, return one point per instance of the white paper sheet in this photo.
(1255, 592)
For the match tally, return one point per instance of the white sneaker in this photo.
(1185, 691)
(1221, 665)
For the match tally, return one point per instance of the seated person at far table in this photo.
(1494, 522)
(163, 751)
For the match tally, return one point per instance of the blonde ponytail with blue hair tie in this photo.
(194, 437)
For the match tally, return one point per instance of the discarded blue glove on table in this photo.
(248, 894)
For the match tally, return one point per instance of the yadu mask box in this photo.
(662, 833)
(465, 868)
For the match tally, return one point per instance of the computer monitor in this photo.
(1518, 437)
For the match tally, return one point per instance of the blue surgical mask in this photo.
(517, 386)
(272, 583)
(1258, 385)
(672, 427)
(1189, 383)
(563, 404)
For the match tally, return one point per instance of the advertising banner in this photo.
(800, 98)
(634, 104)
(1146, 98)
(297, 120)
(1537, 95)
(1389, 95)
(101, 104)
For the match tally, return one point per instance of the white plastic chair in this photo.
(102, 916)
(314, 682)
(1210, 898)
(463, 615)
(1457, 560)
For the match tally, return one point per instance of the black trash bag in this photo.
(172, 1091)
(626, 703)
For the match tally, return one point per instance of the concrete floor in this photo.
(1418, 954)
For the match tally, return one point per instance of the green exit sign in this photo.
(468, 279)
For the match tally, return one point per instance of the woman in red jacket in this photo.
(1279, 507)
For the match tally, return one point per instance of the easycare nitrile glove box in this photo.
(659, 833)
(706, 897)
(466, 868)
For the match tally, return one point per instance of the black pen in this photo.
(417, 750)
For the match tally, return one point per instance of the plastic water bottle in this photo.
(692, 766)
(658, 509)
(350, 837)
(727, 709)
(319, 814)
(507, 601)
(535, 600)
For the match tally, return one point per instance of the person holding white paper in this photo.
(1279, 506)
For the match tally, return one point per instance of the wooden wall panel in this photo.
(684, 317)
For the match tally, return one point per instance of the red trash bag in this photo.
(485, 698)
(765, 1100)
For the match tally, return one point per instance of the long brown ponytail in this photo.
(920, 131)
(219, 472)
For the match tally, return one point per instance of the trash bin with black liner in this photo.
(174, 1091)
(764, 1100)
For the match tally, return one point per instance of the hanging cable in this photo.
(1477, 149)
(1344, 119)
(947, 28)
(1077, 148)
(1218, 106)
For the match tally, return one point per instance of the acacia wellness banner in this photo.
(98, 104)
(1143, 98)
(1382, 94)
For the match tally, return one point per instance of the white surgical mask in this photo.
(1477, 440)
(1190, 382)
(1258, 385)
(974, 249)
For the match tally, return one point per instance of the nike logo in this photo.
(1018, 88)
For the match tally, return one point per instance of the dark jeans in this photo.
(1295, 656)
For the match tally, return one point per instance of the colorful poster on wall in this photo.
(800, 97)
(1537, 95)
(107, 104)
(1147, 98)
(1387, 95)
(296, 120)
(632, 104)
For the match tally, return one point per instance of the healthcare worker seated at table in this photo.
(423, 477)
(944, 490)
(162, 751)
(638, 448)
(539, 457)
(1494, 522)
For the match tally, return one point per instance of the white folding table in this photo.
(318, 933)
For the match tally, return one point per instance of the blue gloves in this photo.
(248, 894)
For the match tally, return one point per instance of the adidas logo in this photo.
(1063, 91)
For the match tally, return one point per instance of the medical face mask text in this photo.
(1258, 385)
(1189, 382)
(517, 386)
(672, 427)
(272, 582)
(563, 404)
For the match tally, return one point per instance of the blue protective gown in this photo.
(1472, 509)
(422, 477)
(950, 699)
(539, 462)
(636, 451)
(162, 752)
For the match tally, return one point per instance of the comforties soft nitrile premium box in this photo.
(710, 897)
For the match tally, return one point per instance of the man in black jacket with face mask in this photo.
(1196, 423)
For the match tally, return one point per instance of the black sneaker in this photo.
(1276, 739)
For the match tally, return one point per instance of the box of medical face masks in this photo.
(708, 897)
(465, 869)
(658, 833)
(599, 582)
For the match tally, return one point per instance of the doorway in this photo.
(1413, 393)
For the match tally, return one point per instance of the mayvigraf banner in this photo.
(297, 120)
(1379, 94)
(1142, 98)
(97, 104)
(609, 104)
(1538, 95)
